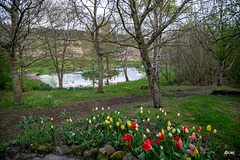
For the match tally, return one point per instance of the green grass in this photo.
(221, 112)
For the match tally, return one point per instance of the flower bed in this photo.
(144, 137)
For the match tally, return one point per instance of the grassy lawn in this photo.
(221, 112)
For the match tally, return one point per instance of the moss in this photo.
(95, 152)
(34, 147)
(47, 148)
(117, 155)
(78, 150)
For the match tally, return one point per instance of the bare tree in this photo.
(93, 16)
(16, 17)
(58, 35)
(145, 38)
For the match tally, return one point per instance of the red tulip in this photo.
(127, 137)
(162, 137)
(147, 145)
(177, 138)
(129, 145)
(157, 141)
(134, 126)
(178, 145)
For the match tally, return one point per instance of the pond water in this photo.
(75, 79)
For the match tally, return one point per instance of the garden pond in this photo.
(76, 79)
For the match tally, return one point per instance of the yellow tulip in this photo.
(195, 152)
(129, 123)
(169, 123)
(122, 127)
(110, 126)
(157, 117)
(94, 118)
(111, 119)
(49, 96)
(162, 131)
(178, 114)
(188, 158)
(193, 134)
(106, 121)
(51, 119)
(209, 128)
(117, 124)
(52, 126)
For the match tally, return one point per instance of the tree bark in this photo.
(100, 78)
(153, 84)
(17, 93)
(220, 73)
(23, 81)
(18, 99)
(124, 64)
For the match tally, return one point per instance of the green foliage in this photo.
(32, 131)
(5, 73)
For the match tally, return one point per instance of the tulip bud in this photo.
(178, 131)
(148, 131)
(148, 119)
(170, 134)
(214, 131)
(174, 130)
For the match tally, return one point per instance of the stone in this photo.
(102, 150)
(109, 150)
(18, 156)
(129, 156)
(63, 150)
(78, 150)
(28, 156)
(14, 150)
(87, 154)
(117, 155)
(55, 157)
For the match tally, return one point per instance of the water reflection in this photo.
(75, 79)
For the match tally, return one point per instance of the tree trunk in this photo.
(100, 79)
(124, 64)
(24, 87)
(17, 93)
(22, 64)
(18, 99)
(153, 84)
(220, 73)
(107, 62)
